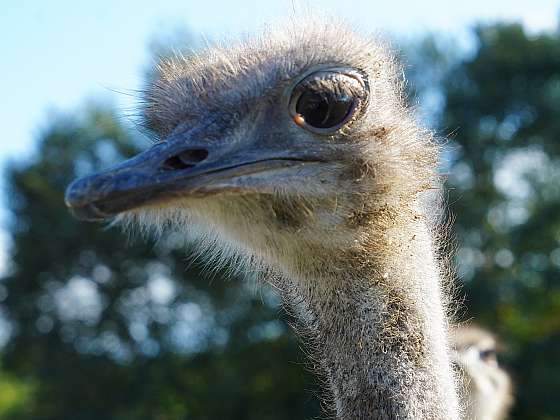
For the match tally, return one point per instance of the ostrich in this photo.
(296, 154)
(488, 389)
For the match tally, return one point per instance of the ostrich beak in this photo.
(180, 167)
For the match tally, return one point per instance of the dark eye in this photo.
(488, 355)
(324, 109)
(326, 100)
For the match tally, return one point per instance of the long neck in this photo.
(379, 333)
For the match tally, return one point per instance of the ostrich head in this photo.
(297, 152)
(488, 388)
(287, 149)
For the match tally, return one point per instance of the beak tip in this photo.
(74, 194)
(79, 205)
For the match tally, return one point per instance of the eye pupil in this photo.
(324, 109)
(488, 355)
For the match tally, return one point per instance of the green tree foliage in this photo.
(107, 327)
(15, 395)
(502, 110)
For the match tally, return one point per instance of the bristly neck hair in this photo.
(372, 318)
(377, 332)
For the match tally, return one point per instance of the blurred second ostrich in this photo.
(486, 390)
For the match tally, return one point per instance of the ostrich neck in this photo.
(379, 333)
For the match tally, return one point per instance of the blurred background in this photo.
(95, 324)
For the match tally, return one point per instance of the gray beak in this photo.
(181, 167)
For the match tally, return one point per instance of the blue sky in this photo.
(57, 54)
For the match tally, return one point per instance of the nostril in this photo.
(192, 157)
(186, 159)
(175, 163)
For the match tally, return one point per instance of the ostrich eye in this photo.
(488, 355)
(326, 100)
